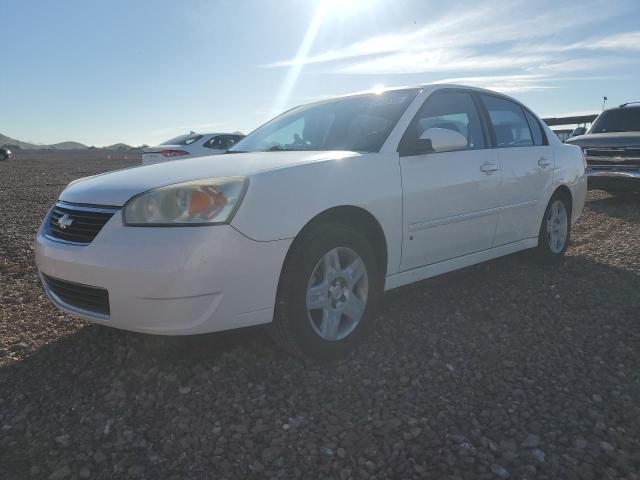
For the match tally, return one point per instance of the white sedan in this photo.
(189, 146)
(320, 211)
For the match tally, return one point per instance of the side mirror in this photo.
(444, 139)
(579, 131)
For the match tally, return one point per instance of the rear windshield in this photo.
(183, 139)
(617, 120)
(359, 123)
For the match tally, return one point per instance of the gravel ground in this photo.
(502, 370)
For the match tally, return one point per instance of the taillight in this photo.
(173, 153)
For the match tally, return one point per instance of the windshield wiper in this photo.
(275, 148)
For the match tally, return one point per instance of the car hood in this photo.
(117, 187)
(614, 139)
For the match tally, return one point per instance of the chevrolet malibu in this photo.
(321, 210)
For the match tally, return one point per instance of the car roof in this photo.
(432, 86)
(215, 133)
(624, 106)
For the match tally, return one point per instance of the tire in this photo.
(328, 330)
(618, 192)
(552, 242)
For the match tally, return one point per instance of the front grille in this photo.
(79, 297)
(76, 223)
(613, 156)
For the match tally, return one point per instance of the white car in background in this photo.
(190, 145)
(320, 211)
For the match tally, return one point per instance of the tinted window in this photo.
(617, 120)
(451, 110)
(359, 123)
(509, 124)
(183, 140)
(535, 128)
(222, 142)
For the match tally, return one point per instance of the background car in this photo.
(612, 149)
(189, 146)
(5, 154)
(320, 211)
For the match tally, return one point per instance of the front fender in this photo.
(280, 202)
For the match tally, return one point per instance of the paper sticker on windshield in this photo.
(389, 99)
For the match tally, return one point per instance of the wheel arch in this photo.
(359, 218)
(565, 191)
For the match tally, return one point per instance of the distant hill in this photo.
(4, 140)
(68, 146)
(119, 146)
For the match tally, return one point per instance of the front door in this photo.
(450, 199)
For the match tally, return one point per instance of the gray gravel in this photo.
(503, 370)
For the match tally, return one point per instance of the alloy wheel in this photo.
(337, 294)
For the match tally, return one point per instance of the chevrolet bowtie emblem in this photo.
(65, 221)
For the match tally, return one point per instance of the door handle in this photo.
(544, 162)
(489, 168)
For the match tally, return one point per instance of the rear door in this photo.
(449, 198)
(527, 163)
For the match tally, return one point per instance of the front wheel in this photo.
(555, 231)
(328, 289)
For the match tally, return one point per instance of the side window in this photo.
(449, 110)
(509, 123)
(213, 143)
(288, 134)
(232, 140)
(536, 130)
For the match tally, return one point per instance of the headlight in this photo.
(199, 202)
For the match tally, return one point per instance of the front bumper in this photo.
(622, 178)
(170, 281)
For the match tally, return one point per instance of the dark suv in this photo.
(5, 153)
(612, 149)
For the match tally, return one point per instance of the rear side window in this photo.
(538, 139)
(450, 110)
(509, 123)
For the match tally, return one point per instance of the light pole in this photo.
(604, 100)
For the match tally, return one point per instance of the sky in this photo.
(101, 72)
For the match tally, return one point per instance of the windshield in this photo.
(183, 139)
(359, 123)
(617, 120)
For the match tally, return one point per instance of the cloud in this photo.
(506, 45)
(492, 23)
(622, 41)
(504, 83)
(442, 60)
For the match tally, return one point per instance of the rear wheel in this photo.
(555, 231)
(328, 289)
